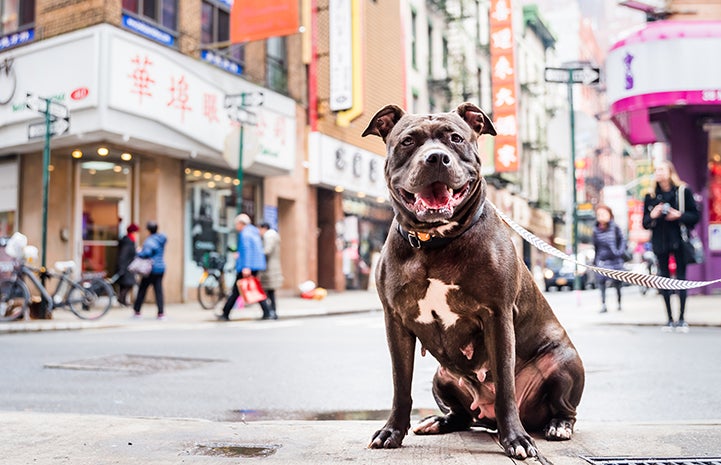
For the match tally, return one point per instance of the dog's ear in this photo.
(476, 119)
(383, 121)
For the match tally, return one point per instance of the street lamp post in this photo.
(57, 121)
(237, 107)
(586, 75)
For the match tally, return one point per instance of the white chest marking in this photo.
(436, 301)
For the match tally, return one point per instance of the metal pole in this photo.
(239, 187)
(46, 182)
(574, 234)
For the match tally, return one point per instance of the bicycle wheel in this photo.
(209, 292)
(14, 299)
(90, 299)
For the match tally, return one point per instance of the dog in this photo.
(449, 276)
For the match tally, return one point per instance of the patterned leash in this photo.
(645, 280)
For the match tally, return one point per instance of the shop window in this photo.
(211, 203)
(16, 15)
(215, 29)
(277, 64)
(161, 12)
(104, 174)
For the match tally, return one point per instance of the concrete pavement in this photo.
(38, 438)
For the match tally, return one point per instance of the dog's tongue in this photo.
(435, 196)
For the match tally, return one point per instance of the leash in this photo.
(645, 280)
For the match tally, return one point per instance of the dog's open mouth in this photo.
(435, 201)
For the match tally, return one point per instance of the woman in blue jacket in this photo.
(609, 244)
(153, 248)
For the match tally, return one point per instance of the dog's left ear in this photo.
(382, 122)
(476, 119)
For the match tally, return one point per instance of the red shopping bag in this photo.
(251, 290)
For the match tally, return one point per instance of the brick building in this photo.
(149, 138)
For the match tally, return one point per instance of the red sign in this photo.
(259, 19)
(503, 83)
(79, 93)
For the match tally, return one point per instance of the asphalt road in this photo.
(329, 367)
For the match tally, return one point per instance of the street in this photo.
(335, 367)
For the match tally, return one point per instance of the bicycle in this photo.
(88, 299)
(212, 286)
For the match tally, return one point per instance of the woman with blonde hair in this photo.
(662, 215)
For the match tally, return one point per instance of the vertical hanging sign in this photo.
(503, 83)
(341, 54)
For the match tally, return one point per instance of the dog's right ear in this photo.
(382, 122)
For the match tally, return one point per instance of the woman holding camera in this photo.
(662, 215)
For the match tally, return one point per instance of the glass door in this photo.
(104, 214)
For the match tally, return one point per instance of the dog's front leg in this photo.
(517, 443)
(402, 346)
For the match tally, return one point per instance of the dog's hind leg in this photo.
(454, 402)
(564, 394)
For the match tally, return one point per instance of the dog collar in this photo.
(420, 240)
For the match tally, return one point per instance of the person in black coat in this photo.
(662, 215)
(126, 254)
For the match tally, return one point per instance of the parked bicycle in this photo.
(88, 299)
(212, 286)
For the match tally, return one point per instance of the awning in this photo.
(665, 64)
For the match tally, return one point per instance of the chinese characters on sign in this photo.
(503, 82)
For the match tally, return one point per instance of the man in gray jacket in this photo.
(272, 278)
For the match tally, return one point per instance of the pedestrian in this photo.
(609, 245)
(249, 261)
(272, 278)
(662, 215)
(154, 249)
(126, 254)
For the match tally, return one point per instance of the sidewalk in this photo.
(637, 310)
(191, 312)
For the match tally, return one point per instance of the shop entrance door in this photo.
(105, 214)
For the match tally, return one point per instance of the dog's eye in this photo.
(407, 141)
(456, 139)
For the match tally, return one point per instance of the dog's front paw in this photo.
(387, 438)
(519, 446)
(559, 429)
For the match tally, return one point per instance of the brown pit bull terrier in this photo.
(450, 277)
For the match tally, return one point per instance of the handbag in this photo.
(141, 266)
(692, 246)
(250, 289)
(691, 243)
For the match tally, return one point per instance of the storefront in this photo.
(663, 86)
(353, 211)
(149, 139)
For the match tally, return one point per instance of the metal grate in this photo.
(133, 363)
(653, 460)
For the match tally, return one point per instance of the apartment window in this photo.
(277, 64)
(162, 12)
(215, 28)
(445, 53)
(414, 40)
(16, 15)
(430, 50)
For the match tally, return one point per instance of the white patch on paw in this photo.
(427, 426)
(436, 301)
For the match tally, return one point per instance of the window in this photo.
(162, 12)
(16, 15)
(277, 64)
(430, 50)
(414, 40)
(215, 28)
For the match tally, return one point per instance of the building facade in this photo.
(676, 101)
(150, 137)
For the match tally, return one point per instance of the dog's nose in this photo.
(435, 158)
